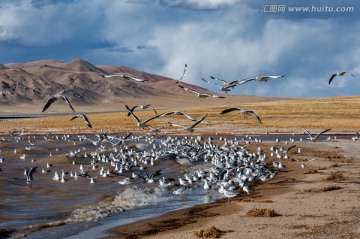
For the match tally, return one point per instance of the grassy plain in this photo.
(341, 114)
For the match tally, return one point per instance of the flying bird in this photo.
(143, 107)
(184, 73)
(260, 78)
(199, 94)
(134, 78)
(304, 164)
(127, 77)
(242, 111)
(341, 73)
(138, 122)
(84, 117)
(190, 128)
(29, 174)
(226, 87)
(57, 97)
(313, 138)
(177, 112)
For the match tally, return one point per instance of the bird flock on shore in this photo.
(224, 165)
(227, 165)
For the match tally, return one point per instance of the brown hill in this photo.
(80, 81)
(80, 65)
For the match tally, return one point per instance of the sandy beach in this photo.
(310, 203)
(320, 201)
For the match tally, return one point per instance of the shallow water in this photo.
(80, 204)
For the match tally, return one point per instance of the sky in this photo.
(227, 39)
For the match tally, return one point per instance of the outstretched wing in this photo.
(322, 132)
(132, 109)
(130, 112)
(151, 118)
(199, 121)
(212, 83)
(184, 73)
(86, 120)
(190, 90)
(332, 77)
(240, 82)
(68, 102)
(258, 118)
(49, 102)
(229, 110)
(307, 132)
(133, 78)
(214, 78)
(276, 77)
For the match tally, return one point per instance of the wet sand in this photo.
(310, 204)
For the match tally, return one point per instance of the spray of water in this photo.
(130, 198)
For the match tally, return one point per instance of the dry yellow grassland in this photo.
(342, 114)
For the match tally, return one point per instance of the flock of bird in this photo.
(226, 165)
(225, 87)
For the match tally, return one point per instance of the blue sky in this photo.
(228, 39)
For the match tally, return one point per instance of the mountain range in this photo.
(81, 82)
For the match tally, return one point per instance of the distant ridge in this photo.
(80, 81)
(80, 65)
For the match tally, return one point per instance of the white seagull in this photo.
(260, 78)
(29, 174)
(190, 128)
(242, 111)
(304, 164)
(341, 73)
(84, 117)
(143, 107)
(177, 112)
(226, 87)
(126, 77)
(138, 122)
(313, 138)
(57, 97)
(199, 94)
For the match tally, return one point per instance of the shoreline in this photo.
(288, 194)
(306, 211)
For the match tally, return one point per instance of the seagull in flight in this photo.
(313, 138)
(126, 77)
(190, 128)
(84, 117)
(138, 122)
(143, 107)
(242, 111)
(341, 73)
(177, 112)
(57, 97)
(260, 78)
(199, 94)
(226, 87)
(184, 73)
(304, 164)
(29, 174)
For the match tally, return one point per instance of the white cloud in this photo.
(202, 4)
(239, 45)
(229, 39)
(48, 24)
